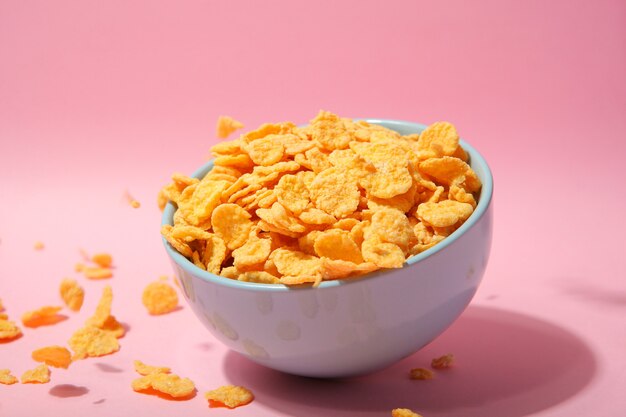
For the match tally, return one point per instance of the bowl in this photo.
(346, 327)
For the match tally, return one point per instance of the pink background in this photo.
(102, 97)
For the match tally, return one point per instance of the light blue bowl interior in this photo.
(477, 162)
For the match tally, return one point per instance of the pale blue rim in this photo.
(477, 162)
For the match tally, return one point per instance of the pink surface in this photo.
(100, 98)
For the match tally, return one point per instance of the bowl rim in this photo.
(484, 201)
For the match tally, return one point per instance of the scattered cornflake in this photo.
(169, 384)
(4, 316)
(131, 200)
(230, 396)
(9, 330)
(103, 260)
(38, 375)
(442, 362)
(226, 125)
(91, 341)
(143, 369)
(159, 298)
(39, 245)
(6, 378)
(97, 272)
(44, 316)
(404, 412)
(56, 356)
(421, 374)
(72, 294)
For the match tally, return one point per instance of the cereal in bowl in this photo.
(334, 199)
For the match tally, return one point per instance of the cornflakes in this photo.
(9, 330)
(72, 294)
(6, 378)
(104, 260)
(159, 298)
(421, 374)
(334, 199)
(44, 316)
(39, 245)
(56, 356)
(91, 341)
(230, 396)
(38, 375)
(403, 412)
(227, 125)
(442, 362)
(143, 369)
(166, 383)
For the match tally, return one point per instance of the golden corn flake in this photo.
(104, 260)
(72, 294)
(421, 374)
(232, 223)
(9, 330)
(437, 140)
(103, 309)
(56, 356)
(91, 341)
(335, 192)
(166, 383)
(403, 412)
(337, 244)
(442, 362)
(39, 245)
(227, 125)
(44, 316)
(159, 298)
(38, 375)
(335, 199)
(444, 213)
(382, 254)
(230, 396)
(143, 369)
(4, 316)
(6, 378)
(97, 272)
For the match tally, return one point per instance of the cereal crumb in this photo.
(38, 375)
(442, 362)
(97, 272)
(91, 341)
(230, 396)
(421, 374)
(39, 245)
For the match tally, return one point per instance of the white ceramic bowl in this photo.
(347, 327)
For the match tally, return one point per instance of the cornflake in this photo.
(56, 356)
(44, 316)
(421, 374)
(143, 369)
(6, 378)
(9, 330)
(159, 298)
(331, 200)
(226, 125)
(166, 383)
(442, 362)
(38, 375)
(91, 341)
(404, 412)
(72, 294)
(230, 396)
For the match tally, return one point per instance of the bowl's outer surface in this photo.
(348, 327)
